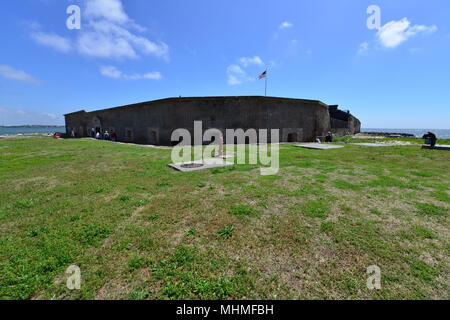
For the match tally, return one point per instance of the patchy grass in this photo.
(430, 209)
(242, 211)
(139, 230)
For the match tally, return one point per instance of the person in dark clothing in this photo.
(432, 137)
(329, 137)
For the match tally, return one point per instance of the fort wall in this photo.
(153, 122)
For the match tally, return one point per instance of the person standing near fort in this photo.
(113, 136)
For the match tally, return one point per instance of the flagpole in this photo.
(265, 90)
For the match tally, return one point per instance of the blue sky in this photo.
(396, 76)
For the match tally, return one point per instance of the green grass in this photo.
(226, 232)
(140, 230)
(430, 209)
(424, 232)
(242, 211)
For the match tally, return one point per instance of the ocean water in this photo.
(12, 131)
(440, 133)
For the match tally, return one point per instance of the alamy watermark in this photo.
(260, 150)
(374, 279)
(73, 22)
(374, 21)
(74, 279)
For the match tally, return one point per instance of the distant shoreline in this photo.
(32, 126)
(8, 131)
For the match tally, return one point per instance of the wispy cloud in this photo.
(146, 76)
(52, 40)
(395, 33)
(111, 72)
(285, 25)
(236, 73)
(363, 47)
(17, 75)
(246, 61)
(115, 73)
(50, 115)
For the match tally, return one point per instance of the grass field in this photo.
(139, 230)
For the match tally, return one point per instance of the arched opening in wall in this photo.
(211, 142)
(180, 142)
(292, 137)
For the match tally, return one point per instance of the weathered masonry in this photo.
(153, 122)
(343, 122)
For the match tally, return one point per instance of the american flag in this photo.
(263, 75)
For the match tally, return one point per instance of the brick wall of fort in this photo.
(153, 122)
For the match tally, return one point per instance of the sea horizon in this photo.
(49, 129)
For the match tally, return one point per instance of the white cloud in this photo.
(17, 75)
(101, 45)
(107, 32)
(111, 10)
(113, 72)
(246, 61)
(394, 33)
(109, 40)
(363, 47)
(50, 115)
(52, 40)
(286, 25)
(147, 76)
(235, 75)
(234, 68)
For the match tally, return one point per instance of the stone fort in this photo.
(153, 122)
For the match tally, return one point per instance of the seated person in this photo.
(329, 137)
(432, 137)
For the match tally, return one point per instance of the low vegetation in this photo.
(140, 230)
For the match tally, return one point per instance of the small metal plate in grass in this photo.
(200, 164)
(192, 165)
(317, 146)
(369, 144)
